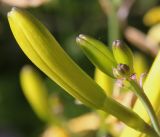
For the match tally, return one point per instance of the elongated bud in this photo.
(97, 53)
(123, 54)
(35, 92)
(45, 52)
(122, 70)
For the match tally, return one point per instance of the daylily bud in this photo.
(45, 52)
(123, 54)
(97, 53)
(35, 92)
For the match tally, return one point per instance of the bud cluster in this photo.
(117, 64)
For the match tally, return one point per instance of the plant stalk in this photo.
(147, 104)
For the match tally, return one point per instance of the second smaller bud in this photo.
(123, 54)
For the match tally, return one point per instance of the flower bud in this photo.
(123, 54)
(45, 52)
(97, 53)
(35, 92)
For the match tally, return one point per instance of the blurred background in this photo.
(66, 19)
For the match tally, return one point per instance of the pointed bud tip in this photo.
(27, 68)
(12, 11)
(80, 38)
(118, 43)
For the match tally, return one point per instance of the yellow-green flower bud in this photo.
(123, 54)
(35, 92)
(45, 52)
(98, 53)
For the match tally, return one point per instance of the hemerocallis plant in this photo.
(45, 52)
(36, 93)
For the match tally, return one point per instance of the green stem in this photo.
(113, 24)
(148, 106)
(131, 119)
(113, 28)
